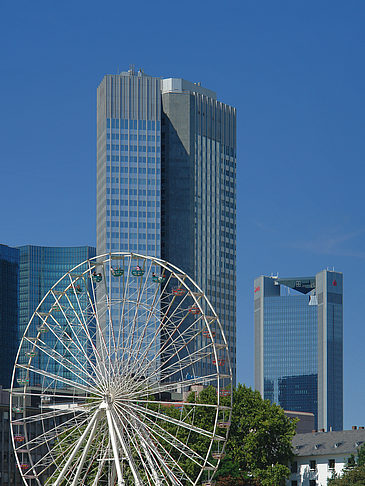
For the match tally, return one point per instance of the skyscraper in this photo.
(299, 344)
(41, 267)
(9, 275)
(166, 174)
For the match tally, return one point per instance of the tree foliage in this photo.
(354, 472)
(259, 446)
(350, 477)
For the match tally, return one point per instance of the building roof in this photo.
(326, 443)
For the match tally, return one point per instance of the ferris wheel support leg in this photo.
(100, 469)
(84, 454)
(114, 446)
(127, 453)
(61, 477)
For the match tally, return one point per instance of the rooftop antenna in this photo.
(132, 69)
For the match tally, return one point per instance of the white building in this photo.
(321, 454)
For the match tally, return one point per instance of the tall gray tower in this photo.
(166, 181)
(299, 344)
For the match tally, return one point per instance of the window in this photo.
(312, 482)
(294, 483)
(294, 467)
(331, 463)
(312, 466)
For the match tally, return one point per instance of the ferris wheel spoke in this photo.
(135, 318)
(178, 367)
(61, 359)
(171, 386)
(51, 433)
(163, 350)
(177, 444)
(169, 343)
(169, 403)
(124, 298)
(60, 379)
(77, 447)
(166, 418)
(85, 325)
(115, 433)
(85, 329)
(94, 305)
(84, 454)
(136, 448)
(185, 361)
(150, 315)
(49, 436)
(150, 457)
(109, 313)
(60, 340)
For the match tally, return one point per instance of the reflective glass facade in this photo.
(166, 175)
(40, 268)
(298, 344)
(199, 196)
(9, 274)
(129, 164)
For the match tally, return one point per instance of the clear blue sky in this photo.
(293, 69)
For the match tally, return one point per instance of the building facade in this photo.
(299, 344)
(9, 276)
(320, 456)
(166, 175)
(39, 269)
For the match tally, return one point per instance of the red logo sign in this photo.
(257, 289)
(334, 283)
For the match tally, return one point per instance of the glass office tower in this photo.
(166, 175)
(299, 344)
(199, 195)
(9, 275)
(39, 269)
(129, 164)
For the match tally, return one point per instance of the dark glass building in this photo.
(299, 344)
(39, 269)
(9, 275)
(166, 182)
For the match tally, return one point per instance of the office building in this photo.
(39, 269)
(9, 275)
(299, 344)
(166, 174)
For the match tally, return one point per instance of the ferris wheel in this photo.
(122, 377)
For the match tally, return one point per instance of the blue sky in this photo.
(294, 71)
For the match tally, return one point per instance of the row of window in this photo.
(133, 247)
(132, 148)
(133, 236)
(132, 180)
(133, 136)
(130, 202)
(312, 465)
(134, 192)
(133, 170)
(132, 224)
(131, 214)
(131, 158)
(133, 124)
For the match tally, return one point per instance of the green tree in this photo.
(351, 477)
(259, 446)
(353, 473)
